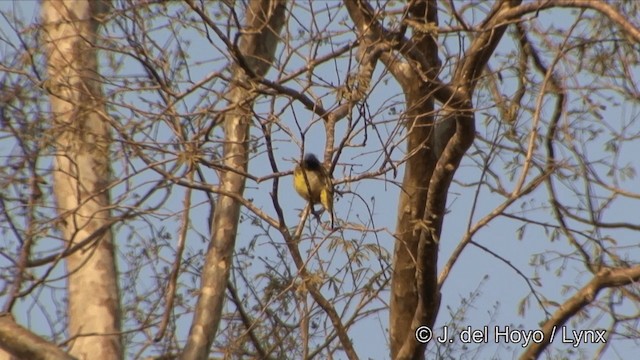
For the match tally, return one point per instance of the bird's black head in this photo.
(311, 162)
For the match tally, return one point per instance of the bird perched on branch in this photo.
(312, 181)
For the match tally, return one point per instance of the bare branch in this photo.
(605, 278)
(24, 344)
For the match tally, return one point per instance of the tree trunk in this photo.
(264, 19)
(414, 294)
(81, 177)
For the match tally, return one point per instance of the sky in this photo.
(480, 291)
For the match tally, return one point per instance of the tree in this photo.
(473, 117)
(80, 174)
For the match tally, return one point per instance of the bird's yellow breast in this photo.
(308, 184)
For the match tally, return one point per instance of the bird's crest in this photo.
(311, 162)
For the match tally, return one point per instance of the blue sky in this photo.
(495, 288)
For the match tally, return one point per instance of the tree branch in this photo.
(602, 7)
(605, 278)
(484, 45)
(24, 344)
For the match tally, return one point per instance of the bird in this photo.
(313, 183)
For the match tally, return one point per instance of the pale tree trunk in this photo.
(263, 22)
(81, 177)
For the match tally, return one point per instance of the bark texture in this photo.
(254, 56)
(437, 138)
(24, 344)
(81, 177)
